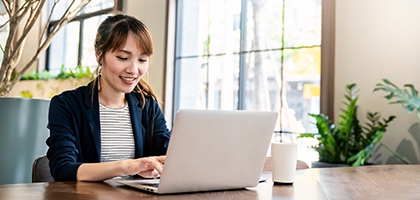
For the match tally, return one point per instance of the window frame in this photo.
(327, 60)
(118, 5)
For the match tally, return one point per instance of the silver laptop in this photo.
(213, 150)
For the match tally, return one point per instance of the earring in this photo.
(99, 70)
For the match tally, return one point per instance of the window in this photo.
(73, 45)
(250, 55)
(4, 31)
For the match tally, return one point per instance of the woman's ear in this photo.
(98, 55)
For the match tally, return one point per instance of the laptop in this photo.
(213, 150)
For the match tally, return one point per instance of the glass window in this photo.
(73, 45)
(4, 32)
(63, 51)
(61, 6)
(250, 55)
(88, 50)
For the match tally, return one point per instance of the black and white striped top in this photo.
(117, 141)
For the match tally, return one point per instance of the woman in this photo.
(114, 125)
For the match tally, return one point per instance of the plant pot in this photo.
(318, 164)
(23, 131)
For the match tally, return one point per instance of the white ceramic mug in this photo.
(283, 162)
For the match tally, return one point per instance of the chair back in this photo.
(41, 170)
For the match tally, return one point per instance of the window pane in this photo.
(302, 23)
(262, 81)
(96, 5)
(209, 27)
(302, 87)
(90, 27)
(219, 26)
(191, 87)
(264, 24)
(62, 6)
(208, 83)
(64, 48)
(278, 77)
(187, 29)
(4, 32)
(222, 82)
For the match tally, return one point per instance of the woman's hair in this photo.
(112, 35)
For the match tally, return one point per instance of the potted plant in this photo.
(349, 142)
(23, 121)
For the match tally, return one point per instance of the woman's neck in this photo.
(111, 100)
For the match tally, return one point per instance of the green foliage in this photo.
(410, 101)
(349, 142)
(26, 94)
(44, 75)
(78, 73)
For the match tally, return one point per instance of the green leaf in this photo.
(409, 100)
(396, 154)
(389, 82)
(306, 135)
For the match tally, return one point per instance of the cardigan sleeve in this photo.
(158, 135)
(63, 140)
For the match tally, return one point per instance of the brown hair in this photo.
(112, 35)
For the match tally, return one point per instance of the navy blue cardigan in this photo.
(75, 135)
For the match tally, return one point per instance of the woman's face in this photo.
(122, 69)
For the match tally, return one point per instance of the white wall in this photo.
(378, 39)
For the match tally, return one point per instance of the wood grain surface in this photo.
(365, 182)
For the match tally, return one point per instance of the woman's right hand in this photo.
(148, 167)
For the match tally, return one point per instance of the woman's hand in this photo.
(148, 167)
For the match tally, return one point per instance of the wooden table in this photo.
(366, 182)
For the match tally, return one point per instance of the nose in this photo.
(136, 68)
(132, 68)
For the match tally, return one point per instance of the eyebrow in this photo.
(124, 51)
(129, 52)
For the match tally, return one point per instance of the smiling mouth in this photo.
(128, 78)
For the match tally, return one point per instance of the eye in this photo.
(142, 60)
(121, 58)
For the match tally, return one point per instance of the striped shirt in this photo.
(117, 141)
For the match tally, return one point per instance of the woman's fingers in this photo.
(161, 159)
(156, 163)
(149, 167)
